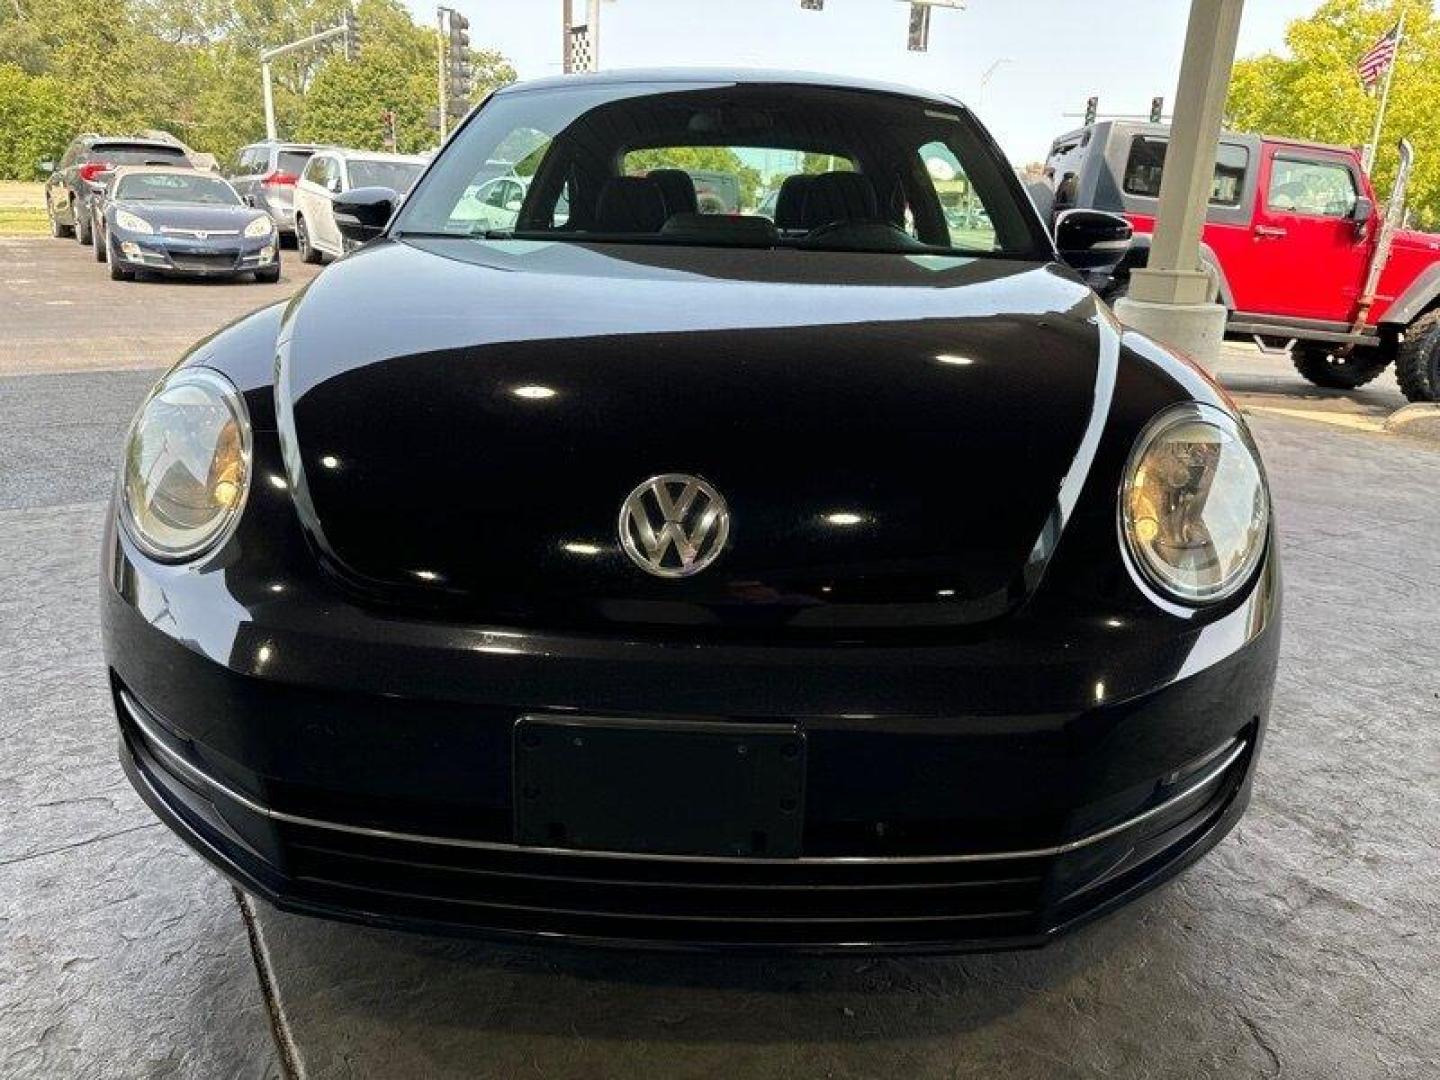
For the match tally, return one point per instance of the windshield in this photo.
(175, 187)
(397, 175)
(760, 165)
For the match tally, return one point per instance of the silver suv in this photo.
(264, 174)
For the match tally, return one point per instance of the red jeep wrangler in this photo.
(1303, 259)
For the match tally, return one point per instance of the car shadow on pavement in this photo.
(357, 993)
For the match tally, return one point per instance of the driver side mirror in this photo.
(1362, 211)
(1091, 240)
(361, 214)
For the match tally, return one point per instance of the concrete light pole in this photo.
(1171, 299)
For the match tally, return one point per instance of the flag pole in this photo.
(1373, 146)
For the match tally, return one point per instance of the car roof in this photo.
(374, 155)
(266, 144)
(168, 170)
(739, 75)
(133, 140)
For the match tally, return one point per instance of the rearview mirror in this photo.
(361, 214)
(1091, 240)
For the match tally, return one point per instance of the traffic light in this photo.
(461, 72)
(1092, 109)
(1157, 109)
(352, 34)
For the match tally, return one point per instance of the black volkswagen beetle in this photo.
(630, 574)
(181, 223)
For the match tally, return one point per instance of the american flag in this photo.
(1381, 55)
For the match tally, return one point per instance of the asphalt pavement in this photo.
(1305, 945)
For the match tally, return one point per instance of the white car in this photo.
(333, 172)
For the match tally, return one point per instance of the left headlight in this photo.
(1194, 508)
(260, 226)
(187, 465)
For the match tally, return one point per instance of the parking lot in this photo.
(1305, 945)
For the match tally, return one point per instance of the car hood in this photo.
(179, 215)
(898, 438)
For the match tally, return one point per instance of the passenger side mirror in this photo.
(249, 200)
(361, 214)
(1091, 240)
(1363, 210)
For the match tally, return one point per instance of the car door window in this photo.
(315, 171)
(1146, 165)
(334, 177)
(1318, 188)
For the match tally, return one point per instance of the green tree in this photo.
(34, 119)
(1314, 92)
(396, 71)
(699, 159)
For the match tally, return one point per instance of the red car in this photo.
(1302, 255)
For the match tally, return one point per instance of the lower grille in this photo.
(203, 262)
(679, 900)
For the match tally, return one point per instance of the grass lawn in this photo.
(22, 208)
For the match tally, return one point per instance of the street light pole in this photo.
(989, 74)
(267, 55)
(270, 132)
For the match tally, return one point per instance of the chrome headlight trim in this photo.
(222, 392)
(1149, 569)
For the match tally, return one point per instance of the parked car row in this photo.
(149, 204)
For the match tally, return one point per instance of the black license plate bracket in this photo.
(659, 787)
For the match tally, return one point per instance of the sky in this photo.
(1054, 53)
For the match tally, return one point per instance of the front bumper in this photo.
(357, 765)
(182, 257)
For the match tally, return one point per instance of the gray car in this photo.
(265, 173)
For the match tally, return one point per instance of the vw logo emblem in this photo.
(674, 525)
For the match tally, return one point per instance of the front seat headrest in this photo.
(838, 196)
(630, 204)
(677, 189)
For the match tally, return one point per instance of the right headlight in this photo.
(187, 466)
(1194, 509)
(132, 222)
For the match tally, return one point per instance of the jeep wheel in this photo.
(58, 231)
(1418, 365)
(98, 236)
(82, 229)
(1325, 367)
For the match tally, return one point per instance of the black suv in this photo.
(76, 179)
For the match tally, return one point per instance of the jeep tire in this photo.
(1418, 364)
(1323, 366)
